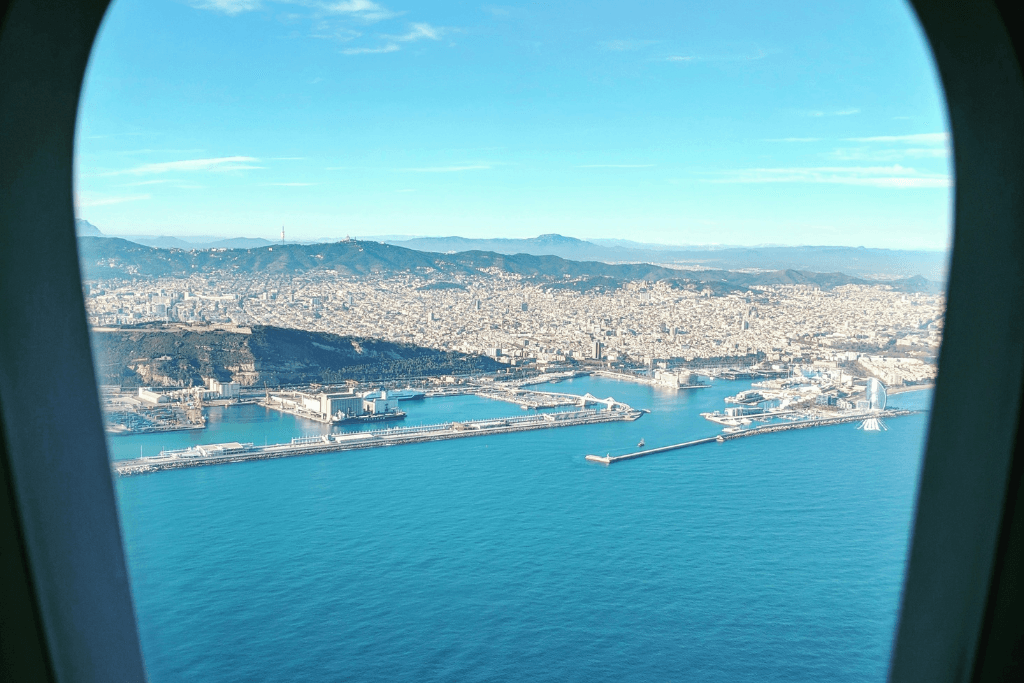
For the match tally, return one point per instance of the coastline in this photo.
(907, 389)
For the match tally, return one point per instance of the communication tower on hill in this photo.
(282, 234)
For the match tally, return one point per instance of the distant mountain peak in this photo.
(554, 237)
(84, 227)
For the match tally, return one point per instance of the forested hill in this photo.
(111, 257)
(175, 355)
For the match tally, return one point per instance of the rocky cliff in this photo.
(176, 355)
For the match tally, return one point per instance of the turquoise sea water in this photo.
(774, 558)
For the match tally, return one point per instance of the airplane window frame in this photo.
(65, 602)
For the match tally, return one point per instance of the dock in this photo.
(640, 379)
(767, 429)
(215, 454)
(538, 400)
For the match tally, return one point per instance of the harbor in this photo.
(234, 431)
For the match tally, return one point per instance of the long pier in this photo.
(767, 429)
(216, 454)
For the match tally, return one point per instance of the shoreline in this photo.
(895, 391)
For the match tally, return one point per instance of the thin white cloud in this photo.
(390, 47)
(817, 113)
(917, 139)
(85, 202)
(927, 152)
(325, 30)
(625, 45)
(346, 6)
(361, 9)
(237, 167)
(160, 151)
(760, 54)
(230, 7)
(418, 31)
(498, 10)
(870, 154)
(895, 176)
(134, 133)
(144, 182)
(447, 169)
(217, 164)
(615, 166)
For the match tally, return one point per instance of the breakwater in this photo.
(767, 429)
(215, 454)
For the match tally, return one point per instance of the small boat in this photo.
(641, 444)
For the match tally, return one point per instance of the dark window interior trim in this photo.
(54, 446)
(973, 433)
(65, 591)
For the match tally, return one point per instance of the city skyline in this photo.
(673, 124)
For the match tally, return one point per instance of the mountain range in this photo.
(858, 261)
(105, 257)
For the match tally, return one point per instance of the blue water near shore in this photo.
(774, 558)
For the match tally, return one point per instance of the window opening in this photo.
(527, 289)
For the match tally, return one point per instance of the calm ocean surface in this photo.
(511, 558)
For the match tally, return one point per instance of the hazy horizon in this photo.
(601, 241)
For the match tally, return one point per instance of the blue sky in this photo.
(729, 122)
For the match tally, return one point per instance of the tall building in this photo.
(595, 350)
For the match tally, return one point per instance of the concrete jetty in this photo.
(767, 429)
(609, 459)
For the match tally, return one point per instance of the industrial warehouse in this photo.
(337, 408)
